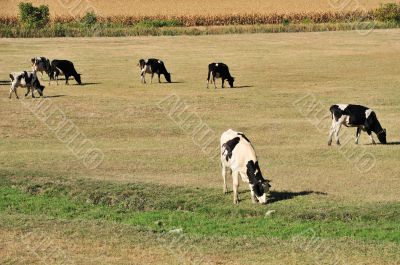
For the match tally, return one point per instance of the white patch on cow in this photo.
(159, 61)
(61, 72)
(368, 112)
(342, 106)
(216, 65)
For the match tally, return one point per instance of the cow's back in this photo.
(67, 67)
(236, 149)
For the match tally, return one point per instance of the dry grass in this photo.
(121, 116)
(43, 241)
(183, 7)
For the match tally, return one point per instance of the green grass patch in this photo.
(200, 212)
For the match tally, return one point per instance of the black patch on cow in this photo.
(229, 146)
(28, 77)
(336, 112)
(255, 178)
(356, 114)
(244, 136)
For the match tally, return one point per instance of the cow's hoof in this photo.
(338, 143)
(329, 143)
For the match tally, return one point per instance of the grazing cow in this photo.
(25, 79)
(239, 158)
(41, 64)
(219, 70)
(153, 66)
(66, 68)
(355, 116)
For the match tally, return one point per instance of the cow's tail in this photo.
(11, 77)
(208, 76)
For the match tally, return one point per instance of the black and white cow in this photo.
(153, 66)
(219, 70)
(239, 158)
(358, 116)
(25, 79)
(66, 68)
(41, 64)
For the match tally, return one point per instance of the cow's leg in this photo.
(11, 91)
(235, 180)
(152, 75)
(14, 89)
(338, 125)
(28, 89)
(331, 132)
(159, 80)
(253, 196)
(225, 170)
(371, 137)
(223, 81)
(32, 89)
(57, 79)
(66, 79)
(143, 76)
(358, 133)
(213, 79)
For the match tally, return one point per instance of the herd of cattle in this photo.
(237, 153)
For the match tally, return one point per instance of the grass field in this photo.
(183, 7)
(154, 178)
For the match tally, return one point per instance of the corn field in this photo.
(221, 20)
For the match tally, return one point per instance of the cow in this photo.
(41, 64)
(219, 70)
(25, 79)
(153, 66)
(358, 116)
(239, 158)
(66, 68)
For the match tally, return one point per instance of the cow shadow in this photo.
(55, 96)
(393, 143)
(242, 86)
(276, 196)
(89, 84)
(175, 82)
(5, 82)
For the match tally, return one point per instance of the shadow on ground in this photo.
(277, 196)
(393, 143)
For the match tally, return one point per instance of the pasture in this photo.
(154, 178)
(191, 7)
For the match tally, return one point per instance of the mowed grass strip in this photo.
(201, 212)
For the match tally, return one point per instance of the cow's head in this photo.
(33, 61)
(78, 78)
(258, 184)
(39, 88)
(230, 81)
(382, 136)
(168, 77)
(141, 63)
